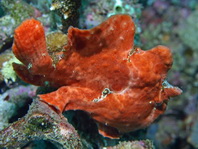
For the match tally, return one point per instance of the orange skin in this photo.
(100, 72)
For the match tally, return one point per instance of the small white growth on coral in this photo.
(64, 131)
(117, 8)
(65, 16)
(8, 71)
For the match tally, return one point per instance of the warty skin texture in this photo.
(99, 72)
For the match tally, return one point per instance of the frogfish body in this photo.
(99, 71)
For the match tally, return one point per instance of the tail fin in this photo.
(30, 46)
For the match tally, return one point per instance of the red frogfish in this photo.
(100, 72)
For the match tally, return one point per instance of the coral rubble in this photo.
(68, 10)
(12, 101)
(40, 123)
(16, 12)
(142, 144)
